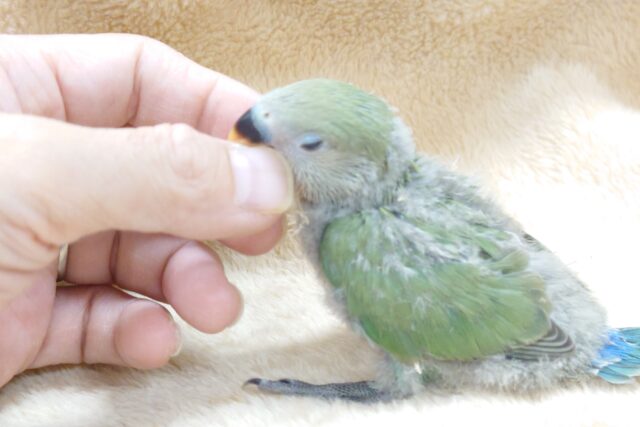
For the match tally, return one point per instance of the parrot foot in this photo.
(361, 391)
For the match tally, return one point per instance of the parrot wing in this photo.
(451, 293)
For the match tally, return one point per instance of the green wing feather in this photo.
(422, 290)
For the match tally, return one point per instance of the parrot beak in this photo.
(245, 131)
(234, 136)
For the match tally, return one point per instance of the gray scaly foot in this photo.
(361, 391)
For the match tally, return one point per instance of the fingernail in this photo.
(178, 340)
(263, 180)
(178, 332)
(240, 312)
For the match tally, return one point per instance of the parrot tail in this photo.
(619, 359)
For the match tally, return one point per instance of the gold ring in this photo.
(62, 261)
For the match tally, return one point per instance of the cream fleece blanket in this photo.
(538, 98)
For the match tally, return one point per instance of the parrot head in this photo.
(340, 141)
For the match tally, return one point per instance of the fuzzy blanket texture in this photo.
(539, 99)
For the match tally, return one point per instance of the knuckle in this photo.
(195, 165)
(148, 42)
(185, 155)
(21, 246)
(28, 226)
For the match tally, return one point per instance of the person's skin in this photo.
(85, 149)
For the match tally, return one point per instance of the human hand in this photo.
(85, 153)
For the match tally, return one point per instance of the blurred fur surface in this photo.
(537, 99)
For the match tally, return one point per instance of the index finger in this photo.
(114, 80)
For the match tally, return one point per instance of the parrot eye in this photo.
(311, 142)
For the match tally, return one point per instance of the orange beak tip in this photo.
(234, 136)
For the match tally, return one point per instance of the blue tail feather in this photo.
(618, 361)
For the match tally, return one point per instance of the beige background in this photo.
(539, 99)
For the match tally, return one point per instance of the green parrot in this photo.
(430, 271)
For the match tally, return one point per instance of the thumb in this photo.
(71, 181)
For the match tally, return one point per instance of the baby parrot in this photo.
(418, 261)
